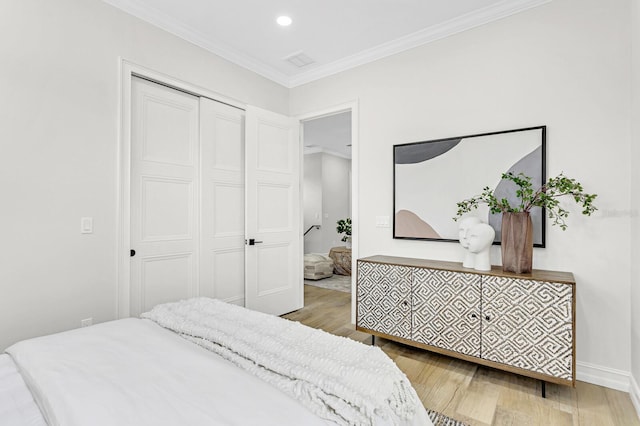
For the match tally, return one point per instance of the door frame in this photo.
(127, 70)
(352, 106)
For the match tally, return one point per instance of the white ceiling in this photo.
(330, 134)
(336, 34)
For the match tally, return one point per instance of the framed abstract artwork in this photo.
(430, 177)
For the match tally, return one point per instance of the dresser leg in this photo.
(373, 340)
(544, 388)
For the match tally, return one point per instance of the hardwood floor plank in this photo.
(477, 395)
(619, 403)
(479, 401)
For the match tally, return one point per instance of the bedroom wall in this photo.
(59, 135)
(312, 201)
(566, 65)
(635, 207)
(336, 203)
(330, 175)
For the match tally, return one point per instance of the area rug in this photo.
(335, 282)
(440, 419)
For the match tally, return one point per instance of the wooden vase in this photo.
(517, 242)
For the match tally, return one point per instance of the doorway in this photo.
(327, 183)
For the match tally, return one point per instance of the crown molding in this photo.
(436, 32)
(459, 24)
(170, 24)
(322, 150)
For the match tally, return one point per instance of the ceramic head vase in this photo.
(481, 238)
(463, 236)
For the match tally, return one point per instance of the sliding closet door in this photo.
(222, 165)
(274, 282)
(164, 195)
(205, 179)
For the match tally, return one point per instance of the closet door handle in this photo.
(132, 253)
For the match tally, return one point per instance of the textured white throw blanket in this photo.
(337, 378)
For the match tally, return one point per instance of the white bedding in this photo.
(338, 379)
(17, 407)
(133, 372)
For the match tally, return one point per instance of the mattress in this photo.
(17, 407)
(153, 377)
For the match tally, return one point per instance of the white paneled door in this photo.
(222, 237)
(215, 202)
(164, 201)
(273, 218)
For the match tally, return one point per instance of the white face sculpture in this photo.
(480, 236)
(463, 229)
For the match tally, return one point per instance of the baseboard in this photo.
(634, 392)
(603, 376)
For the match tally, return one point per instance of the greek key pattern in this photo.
(528, 324)
(384, 298)
(446, 310)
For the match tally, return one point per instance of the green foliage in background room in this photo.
(344, 227)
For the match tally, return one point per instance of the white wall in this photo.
(326, 185)
(336, 203)
(635, 207)
(59, 135)
(312, 202)
(566, 65)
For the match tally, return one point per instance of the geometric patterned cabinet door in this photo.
(384, 299)
(446, 310)
(528, 324)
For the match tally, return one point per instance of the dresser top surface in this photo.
(536, 274)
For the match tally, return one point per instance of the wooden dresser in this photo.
(522, 323)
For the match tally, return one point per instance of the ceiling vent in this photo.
(299, 59)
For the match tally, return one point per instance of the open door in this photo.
(273, 250)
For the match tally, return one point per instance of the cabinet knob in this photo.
(405, 303)
(487, 317)
(474, 316)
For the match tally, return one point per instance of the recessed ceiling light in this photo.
(284, 21)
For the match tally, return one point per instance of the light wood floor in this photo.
(470, 393)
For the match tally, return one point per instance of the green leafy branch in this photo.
(545, 197)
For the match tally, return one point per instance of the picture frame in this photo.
(430, 177)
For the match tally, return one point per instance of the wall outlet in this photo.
(86, 322)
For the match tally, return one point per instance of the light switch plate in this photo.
(382, 221)
(86, 225)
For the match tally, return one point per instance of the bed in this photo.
(17, 406)
(202, 362)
